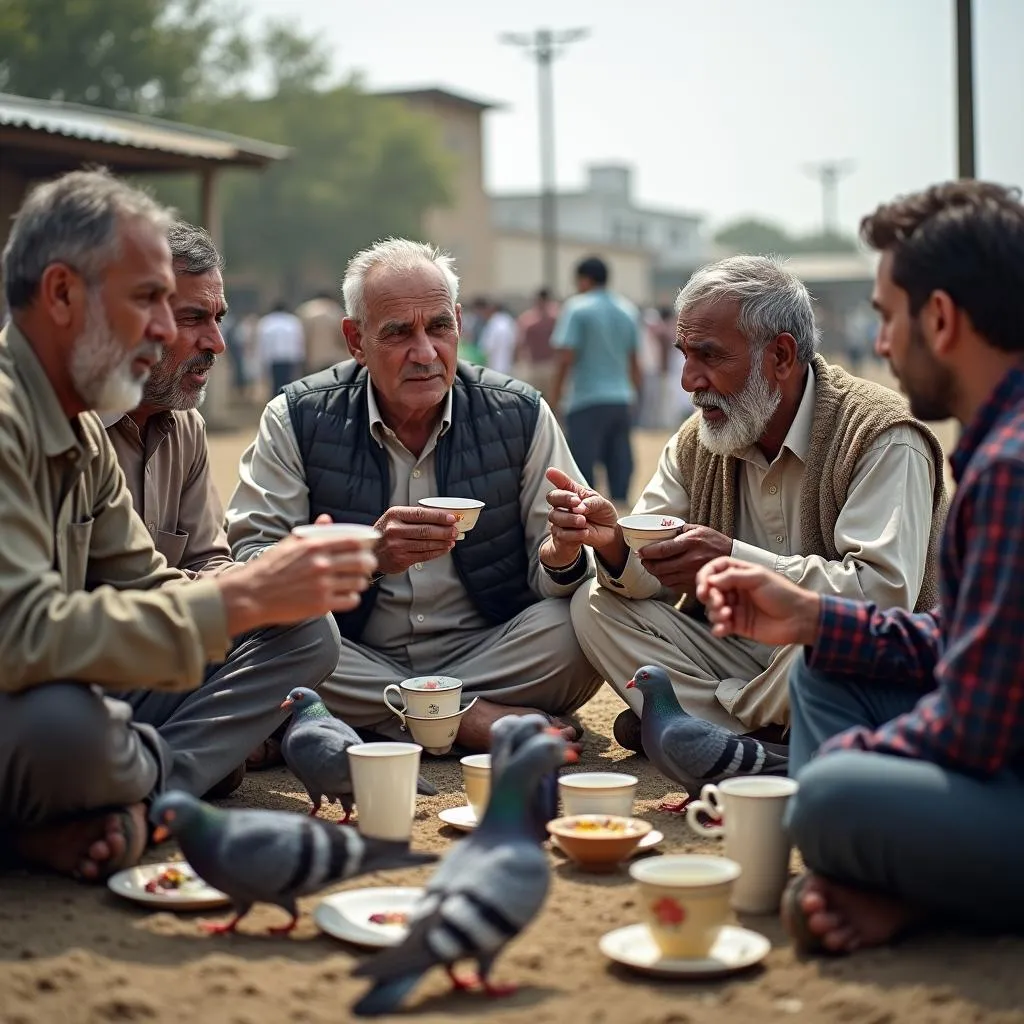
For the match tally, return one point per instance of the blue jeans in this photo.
(944, 842)
(601, 434)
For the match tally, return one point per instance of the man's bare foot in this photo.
(91, 848)
(841, 918)
(475, 727)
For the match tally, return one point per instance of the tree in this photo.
(147, 56)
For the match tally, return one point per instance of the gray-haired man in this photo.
(789, 463)
(86, 602)
(161, 447)
(365, 441)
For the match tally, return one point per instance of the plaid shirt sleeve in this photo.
(973, 721)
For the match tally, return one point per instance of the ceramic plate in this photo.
(648, 843)
(461, 818)
(193, 894)
(347, 915)
(735, 949)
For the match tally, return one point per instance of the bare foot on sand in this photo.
(90, 847)
(841, 918)
(475, 727)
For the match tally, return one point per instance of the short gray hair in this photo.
(72, 220)
(393, 254)
(192, 249)
(772, 300)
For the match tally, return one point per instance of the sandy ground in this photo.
(78, 954)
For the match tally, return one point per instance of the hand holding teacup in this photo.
(411, 534)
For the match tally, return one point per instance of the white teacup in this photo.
(384, 783)
(436, 735)
(640, 530)
(476, 776)
(366, 535)
(425, 697)
(750, 810)
(597, 793)
(685, 901)
(465, 510)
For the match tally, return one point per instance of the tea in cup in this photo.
(476, 776)
(425, 697)
(640, 530)
(597, 793)
(685, 900)
(465, 510)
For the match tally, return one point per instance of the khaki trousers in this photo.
(732, 681)
(533, 660)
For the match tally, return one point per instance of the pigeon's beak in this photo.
(287, 702)
(553, 730)
(631, 684)
(571, 755)
(161, 834)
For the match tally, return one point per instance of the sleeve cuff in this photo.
(842, 627)
(569, 573)
(755, 555)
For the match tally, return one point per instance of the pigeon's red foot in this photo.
(462, 984)
(221, 927)
(677, 807)
(497, 990)
(346, 817)
(284, 929)
(314, 810)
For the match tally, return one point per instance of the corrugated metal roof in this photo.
(134, 131)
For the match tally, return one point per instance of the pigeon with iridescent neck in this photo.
(689, 750)
(315, 748)
(508, 734)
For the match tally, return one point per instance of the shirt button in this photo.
(417, 473)
(419, 618)
(778, 537)
(773, 489)
(418, 566)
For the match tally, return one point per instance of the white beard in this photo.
(747, 415)
(101, 370)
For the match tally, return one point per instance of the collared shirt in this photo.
(881, 533)
(167, 469)
(83, 593)
(416, 611)
(968, 651)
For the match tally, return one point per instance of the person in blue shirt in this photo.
(596, 339)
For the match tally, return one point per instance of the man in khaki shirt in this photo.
(367, 440)
(746, 326)
(86, 602)
(321, 318)
(161, 448)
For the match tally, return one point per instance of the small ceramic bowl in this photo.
(598, 842)
(639, 531)
(465, 510)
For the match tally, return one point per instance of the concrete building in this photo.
(463, 227)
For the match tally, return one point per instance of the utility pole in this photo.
(544, 45)
(964, 90)
(828, 172)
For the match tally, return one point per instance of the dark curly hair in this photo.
(965, 238)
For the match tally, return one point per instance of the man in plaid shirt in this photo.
(908, 730)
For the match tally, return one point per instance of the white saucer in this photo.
(735, 949)
(461, 818)
(649, 842)
(195, 894)
(346, 915)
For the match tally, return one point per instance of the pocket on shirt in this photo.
(77, 539)
(171, 546)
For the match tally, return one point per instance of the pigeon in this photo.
(315, 748)
(255, 856)
(482, 895)
(508, 734)
(689, 750)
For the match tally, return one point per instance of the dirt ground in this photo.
(71, 953)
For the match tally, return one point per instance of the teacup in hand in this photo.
(465, 510)
(640, 530)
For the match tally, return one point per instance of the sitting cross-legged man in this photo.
(365, 441)
(161, 448)
(88, 606)
(908, 729)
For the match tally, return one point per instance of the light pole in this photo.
(544, 45)
(828, 172)
(964, 90)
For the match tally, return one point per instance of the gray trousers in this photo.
(67, 748)
(533, 660)
(938, 840)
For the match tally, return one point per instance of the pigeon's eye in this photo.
(168, 815)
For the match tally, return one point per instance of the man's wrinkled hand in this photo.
(578, 516)
(676, 562)
(411, 534)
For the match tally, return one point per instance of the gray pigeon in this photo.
(482, 895)
(315, 748)
(689, 750)
(508, 734)
(269, 856)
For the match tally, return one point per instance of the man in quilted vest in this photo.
(365, 441)
(789, 463)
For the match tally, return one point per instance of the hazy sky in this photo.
(718, 104)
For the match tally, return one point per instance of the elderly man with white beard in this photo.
(788, 462)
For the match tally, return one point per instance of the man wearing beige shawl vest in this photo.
(789, 463)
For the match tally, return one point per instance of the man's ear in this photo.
(780, 359)
(940, 322)
(61, 293)
(458, 317)
(354, 339)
